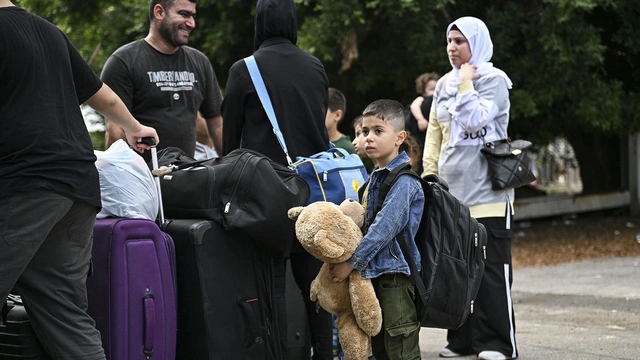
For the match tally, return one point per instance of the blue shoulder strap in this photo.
(261, 89)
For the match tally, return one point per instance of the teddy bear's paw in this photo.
(357, 355)
(313, 291)
(355, 343)
(368, 315)
(294, 212)
(365, 304)
(370, 323)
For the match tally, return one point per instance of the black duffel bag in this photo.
(243, 190)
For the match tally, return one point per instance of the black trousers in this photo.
(492, 324)
(305, 268)
(280, 283)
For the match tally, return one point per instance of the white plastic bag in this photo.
(126, 184)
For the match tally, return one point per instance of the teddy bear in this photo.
(332, 233)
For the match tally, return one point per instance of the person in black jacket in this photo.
(298, 88)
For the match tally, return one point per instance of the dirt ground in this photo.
(575, 238)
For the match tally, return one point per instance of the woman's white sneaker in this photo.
(446, 353)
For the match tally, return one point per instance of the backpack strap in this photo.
(362, 189)
(416, 280)
(388, 182)
(404, 245)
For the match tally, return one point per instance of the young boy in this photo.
(379, 256)
(335, 113)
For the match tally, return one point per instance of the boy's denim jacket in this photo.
(379, 252)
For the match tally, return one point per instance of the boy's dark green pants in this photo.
(400, 334)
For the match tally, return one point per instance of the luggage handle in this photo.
(154, 161)
(5, 307)
(149, 324)
(253, 336)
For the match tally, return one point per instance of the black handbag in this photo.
(243, 190)
(508, 163)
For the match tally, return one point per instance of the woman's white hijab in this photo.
(477, 34)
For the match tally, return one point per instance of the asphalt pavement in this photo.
(577, 311)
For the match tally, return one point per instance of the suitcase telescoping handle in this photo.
(154, 161)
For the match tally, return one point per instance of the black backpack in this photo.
(452, 246)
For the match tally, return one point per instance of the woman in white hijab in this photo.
(470, 107)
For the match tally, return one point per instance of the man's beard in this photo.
(170, 35)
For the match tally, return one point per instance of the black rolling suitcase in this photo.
(298, 332)
(226, 306)
(17, 339)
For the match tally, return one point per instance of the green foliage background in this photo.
(572, 62)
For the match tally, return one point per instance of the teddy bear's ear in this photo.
(295, 212)
(354, 210)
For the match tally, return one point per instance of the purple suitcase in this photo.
(131, 293)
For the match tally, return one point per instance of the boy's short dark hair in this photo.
(423, 79)
(337, 101)
(166, 4)
(389, 111)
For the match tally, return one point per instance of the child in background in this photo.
(417, 120)
(412, 147)
(358, 144)
(335, 114)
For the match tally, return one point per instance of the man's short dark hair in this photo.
(337, 101)
(166, 4)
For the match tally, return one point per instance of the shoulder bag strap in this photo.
(261, 89)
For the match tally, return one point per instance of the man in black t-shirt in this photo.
(49, 187)
(164, 82)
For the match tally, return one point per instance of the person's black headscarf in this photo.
(275, 18)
